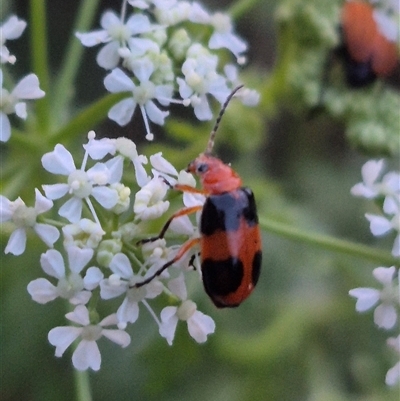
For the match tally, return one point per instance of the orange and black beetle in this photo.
(230, 240)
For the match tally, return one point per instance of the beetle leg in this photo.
(182, 212)
(183, 249)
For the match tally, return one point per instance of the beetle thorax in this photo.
(215, 176)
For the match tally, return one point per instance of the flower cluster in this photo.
(385, 190)
(11, 102)
(154, 52)
(100, 258)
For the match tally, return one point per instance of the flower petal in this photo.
(79, 315)
(5, 209)
(107, 197)
(128, 311)
(379, 225)
(28, 88)
(92, 278)
(17, 242)
(55, 191)
(121, 265)
(5, 127)
(42, 204)
(87, 355)
(169, 321)
(78, 258)
(200, 326)
(59, 161)
(53, 264)
(122, 112)
(119, 337)
(93, 38)
(108, 57)
(366, 298)
(118, 81)
(63, 337)
(385, 316)
(71, 209)
(47, 233)
(42, 291)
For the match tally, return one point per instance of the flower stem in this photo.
(329, 243)
(72, 57)
(40, 59)
(241, 7)
(82, 385)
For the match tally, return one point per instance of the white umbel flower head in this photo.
(10, 30)
(385, 314)
(10, 102)
(24, 218)
(87, 354)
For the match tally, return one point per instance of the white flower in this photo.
(127, 148)
(81, 184)
(87, 353)
(84, 234)
(199, 325)
(223, 37)
(9, 30)
(142, 96)
(116, 34)
(393, 374)
(149, 203)
(201, 78)
(97, 149)
(121, 282)
(385, 314)
(386, 15)
(70, 285)
(372, 186)
(25, 217)
(381, 225)
(27, 88)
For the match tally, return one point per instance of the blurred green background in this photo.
(298, 336)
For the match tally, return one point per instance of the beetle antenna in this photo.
(210, 144)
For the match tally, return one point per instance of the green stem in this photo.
(72, 58)
(88, 118)
(329, 243)
(82, 385)
(39, 55)
(241, 7)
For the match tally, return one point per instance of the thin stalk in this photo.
(241, 7)
(82, 385)
(329, 243)
(39, 53)
(73, 56)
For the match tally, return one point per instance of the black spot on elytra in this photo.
(256, 267)
(222, 277)
(224, 211)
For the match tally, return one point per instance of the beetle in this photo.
(367, 52)
(230, 239)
